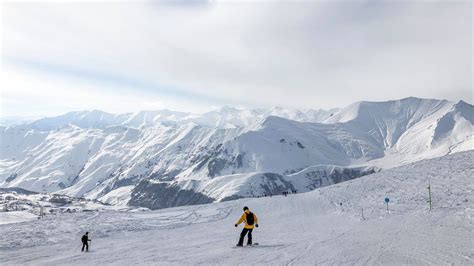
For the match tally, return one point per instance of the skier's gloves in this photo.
(235, 225)
(256, 225)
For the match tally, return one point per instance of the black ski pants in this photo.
(242, 236)
(85, 245)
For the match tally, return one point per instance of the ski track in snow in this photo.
(308, 228)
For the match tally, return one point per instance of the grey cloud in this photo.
(301, 54)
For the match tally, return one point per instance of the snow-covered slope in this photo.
(129, 158)
(343, 224)
(411, 129)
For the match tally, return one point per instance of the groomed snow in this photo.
(308, 228)
(16, 217)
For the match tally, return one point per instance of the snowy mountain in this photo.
(99, 119)
(346, 223)
(225, 117)
(413, 129)
(164, 158)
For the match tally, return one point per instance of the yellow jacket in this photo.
(243, 219)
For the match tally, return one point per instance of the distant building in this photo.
(59, 199)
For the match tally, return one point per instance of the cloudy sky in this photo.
(197, 55)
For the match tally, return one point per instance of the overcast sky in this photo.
(194, 56)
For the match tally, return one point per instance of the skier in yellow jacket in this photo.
(250, 220)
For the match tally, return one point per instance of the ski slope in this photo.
(307, 228)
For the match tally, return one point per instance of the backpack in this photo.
(250, 218)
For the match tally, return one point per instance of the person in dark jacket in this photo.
(251, 221)
(85, 241)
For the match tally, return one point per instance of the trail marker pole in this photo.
(387, 200)
(429, 193)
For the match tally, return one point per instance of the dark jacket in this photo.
(85, 238)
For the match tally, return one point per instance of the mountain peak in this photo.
(227, 109)
(276, 121)
(463, 103)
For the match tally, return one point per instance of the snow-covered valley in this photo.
(306, 228)
(159, 159)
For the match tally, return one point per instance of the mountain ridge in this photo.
(94, 159)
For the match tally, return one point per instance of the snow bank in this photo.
(16, 217)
